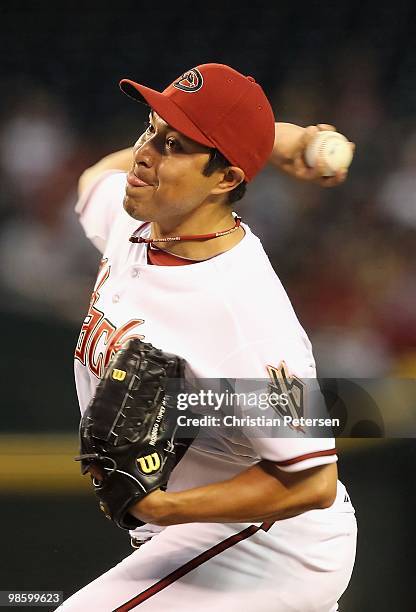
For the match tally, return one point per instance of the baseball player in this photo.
(247, 523)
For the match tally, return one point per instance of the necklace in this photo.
(140, 240)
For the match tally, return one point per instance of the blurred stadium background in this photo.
(345, 255)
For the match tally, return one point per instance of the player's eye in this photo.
(172, 144)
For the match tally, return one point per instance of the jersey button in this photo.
(135, 272)
(116, 298)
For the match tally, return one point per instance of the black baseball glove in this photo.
(129, 434)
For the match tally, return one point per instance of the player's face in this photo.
(166, 183)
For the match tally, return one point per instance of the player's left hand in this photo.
(288, 154)
(129, 431)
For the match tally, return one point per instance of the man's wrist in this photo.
(155, 508)
(286, 145)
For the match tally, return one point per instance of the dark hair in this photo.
(217, 161)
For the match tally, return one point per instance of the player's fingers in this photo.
(326, 127)
(301, 170)
(341, 175)
(333, 181)
(352, 145)
(320, 165)
(298, 167)
(308, 134)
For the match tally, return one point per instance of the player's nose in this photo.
(144, 155)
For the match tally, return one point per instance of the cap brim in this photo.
(165, 108)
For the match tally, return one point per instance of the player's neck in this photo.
(200, 224)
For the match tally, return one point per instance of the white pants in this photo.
(302, 564)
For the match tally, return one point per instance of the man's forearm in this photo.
(120, 160)
(286, 143)
(260, 493)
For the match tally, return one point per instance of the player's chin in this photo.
(134, 208)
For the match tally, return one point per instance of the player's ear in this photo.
(229, 179)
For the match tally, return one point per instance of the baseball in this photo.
(332, 148)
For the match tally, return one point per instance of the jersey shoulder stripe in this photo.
(312, 455)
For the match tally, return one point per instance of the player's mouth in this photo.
(134, 181)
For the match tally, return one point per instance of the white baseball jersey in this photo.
(228, 317)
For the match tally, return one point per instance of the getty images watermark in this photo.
(283, 406)
(217, 400)
(258, 409)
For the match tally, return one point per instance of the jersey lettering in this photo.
(99, 339)
(94, 316)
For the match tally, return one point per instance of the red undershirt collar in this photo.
(158, 257)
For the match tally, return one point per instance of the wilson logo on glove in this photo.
(149, 463)
(119, 374)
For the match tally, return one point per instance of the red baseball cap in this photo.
(218, 107)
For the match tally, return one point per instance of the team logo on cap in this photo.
(190, 81)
